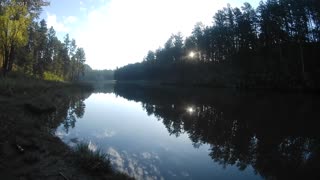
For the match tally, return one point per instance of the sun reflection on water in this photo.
(190, 110)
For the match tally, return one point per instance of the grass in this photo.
(93, 161)
(16, 84)
(97, 163)
(20, 84)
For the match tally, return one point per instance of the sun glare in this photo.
(192, 54)
(190, 110)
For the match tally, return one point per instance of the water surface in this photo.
(170, 133)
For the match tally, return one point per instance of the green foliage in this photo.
(79, 59)
(14, 22)
(52, 77)
(33, 48)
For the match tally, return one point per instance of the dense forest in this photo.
(27, 45)
(97, 75)
(275, 45)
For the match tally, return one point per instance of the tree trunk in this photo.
(11, 58)
(6, 62)
(302, 62)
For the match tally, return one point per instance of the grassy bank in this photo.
(17, 85)
(30, 111)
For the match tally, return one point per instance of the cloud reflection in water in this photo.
(105, 134)
(143, 166)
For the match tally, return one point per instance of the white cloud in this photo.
(58, 26)
(82, 9)
(146, 155)
(122, 31)
(105, 134)
(70, 19)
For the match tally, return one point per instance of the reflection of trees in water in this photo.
(71, 108)
(268, 135)
(103, 87)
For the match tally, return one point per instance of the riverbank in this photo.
(30, 111)
(242, 86)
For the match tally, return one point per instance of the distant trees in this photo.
(78, 63)
(272, 46)
(31, 47)
(97, 75)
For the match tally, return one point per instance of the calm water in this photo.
(169, 133)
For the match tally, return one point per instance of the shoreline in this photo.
(29, 149)
(215, 86)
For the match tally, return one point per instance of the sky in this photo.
(115, 33)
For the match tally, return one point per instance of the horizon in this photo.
(101, 27)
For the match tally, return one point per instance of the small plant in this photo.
(93, 161)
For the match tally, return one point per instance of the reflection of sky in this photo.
(140, 166)
(140, 145)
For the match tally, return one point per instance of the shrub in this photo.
(93, 161)
(51, 77)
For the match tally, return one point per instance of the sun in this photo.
(192, 54)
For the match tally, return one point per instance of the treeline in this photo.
(29, 46)
(275, 45)
(97, 75)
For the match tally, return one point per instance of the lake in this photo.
(188, 133)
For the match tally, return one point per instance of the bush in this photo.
(51, 77)
(93, 161)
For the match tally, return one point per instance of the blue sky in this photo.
(114, 33)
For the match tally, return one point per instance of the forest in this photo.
(91, 75)
(272, 46)
(29, 47)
